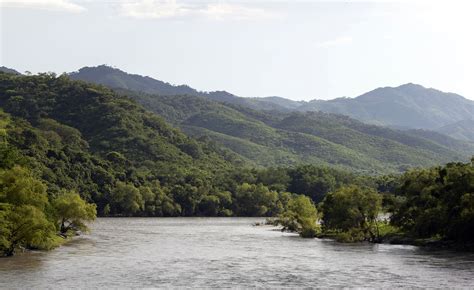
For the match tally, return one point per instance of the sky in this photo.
(300, 50)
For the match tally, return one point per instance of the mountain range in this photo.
(408, 106)
(274, 131)
(266, 131)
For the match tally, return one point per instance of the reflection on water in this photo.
(219, 252)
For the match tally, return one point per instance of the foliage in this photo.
(300, 216)
(256, 200)
(282, 138)
(352, 211)
(27, 217)
(72, 212)
(69, 147)
(438, 201)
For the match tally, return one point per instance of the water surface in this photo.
(226, 252)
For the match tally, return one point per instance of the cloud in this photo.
(343, 40)
(167, 9)
(55, 5)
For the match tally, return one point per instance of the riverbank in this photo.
(391, 236)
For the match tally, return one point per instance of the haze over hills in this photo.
(462, 130)
(408, 106)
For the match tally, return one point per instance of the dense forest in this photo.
(286, 139)
(70, 149)
(409, 106)
(275, 137)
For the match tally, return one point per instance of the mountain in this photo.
(118, 79)
(8, 70)
(276, 139)
(462, 130)
(80, 136)
(259, 130)
(408, 106)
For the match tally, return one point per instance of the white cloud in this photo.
(56, 5)
(343, 40)
(162, 9)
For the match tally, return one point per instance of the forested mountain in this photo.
(462, 130)
(276, 138)
(406, 106)
(117, 79)
(8, 70)
(84, 137)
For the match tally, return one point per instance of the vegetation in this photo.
(72, 212)
(351, 212)
(29, 219)
(407, 106)
(437, 202)
(70, 149)
(285, 136)
(300, 216)
(84, 138)
(286, 139)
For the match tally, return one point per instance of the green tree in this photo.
(72, 212)
(300, 216)
(437, 202)
(23, 202)
(353, 211)
(27, 227)
(127, 199)
(255, 200)
(19, 187)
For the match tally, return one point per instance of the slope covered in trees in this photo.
(408, 106)
(82, 137)
(462, 130)
(118, 79)
(269, 138)
(78, 136)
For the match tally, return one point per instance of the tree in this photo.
(437, 202)
(72, 212)
(255, 200)
(27, 227)
(300, 216)
(353, 211)
(127, 199)
(23, 201)
(312, 181)
(19, 187)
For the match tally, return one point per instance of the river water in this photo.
(227, 252)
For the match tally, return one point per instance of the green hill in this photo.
(408, 106)
(276, 138)
(129, 161)
(462, 130)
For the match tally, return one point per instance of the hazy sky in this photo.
(294, 49)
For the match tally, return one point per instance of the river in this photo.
(227, 252)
